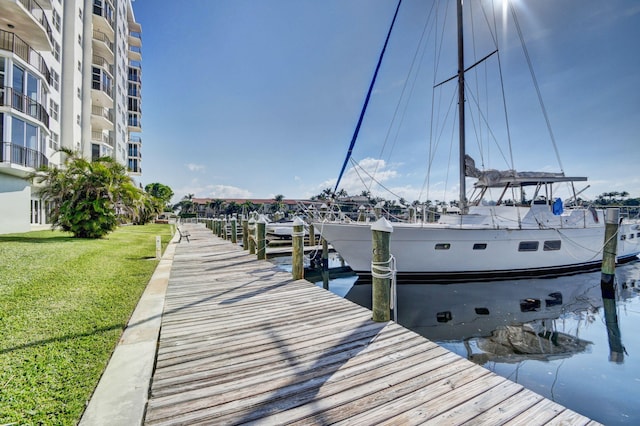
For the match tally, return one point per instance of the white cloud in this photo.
(227, 191)
(200, 190)
(195, 167)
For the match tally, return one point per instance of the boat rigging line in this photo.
(535, 83)
(366, 101)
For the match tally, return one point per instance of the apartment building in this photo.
(70, 77)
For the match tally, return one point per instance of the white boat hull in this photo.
(448, 252)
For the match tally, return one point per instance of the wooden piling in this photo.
(378, 209)
(234, 230)
(607, 284)
(381, 280)
(325, 264)
(609, 251)
(297, 255)
(252, 236)
(261, 238)
(312, 235)
(245, 234)
(362, 214)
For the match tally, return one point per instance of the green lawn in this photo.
(63, 305)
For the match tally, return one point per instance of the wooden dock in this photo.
(242, 342)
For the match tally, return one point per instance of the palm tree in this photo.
(278, 205)
(88, 198)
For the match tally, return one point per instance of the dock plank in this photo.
(243, 342)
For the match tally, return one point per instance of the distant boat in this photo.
(483, 242)
(282, 228)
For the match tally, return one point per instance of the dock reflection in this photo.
(513, 321)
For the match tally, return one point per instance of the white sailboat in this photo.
(503, 240)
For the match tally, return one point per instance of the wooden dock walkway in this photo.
(242, 342)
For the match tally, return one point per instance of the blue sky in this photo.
(253, 98)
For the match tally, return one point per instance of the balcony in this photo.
(134, 123)
(102, 63)
(27, 19)
(134, 152)
(135, 53)
(103, 17)
(135, 38)
(101, 118)
(24, 104)
(134, 74)
(102, 87)
(17, 155)
(103, 46)
(13, 43)
(102, 138)
(134, 167)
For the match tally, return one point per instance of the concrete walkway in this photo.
(121, 395)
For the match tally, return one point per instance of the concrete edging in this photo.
(122, 392)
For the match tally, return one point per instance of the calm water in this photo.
(558, 337)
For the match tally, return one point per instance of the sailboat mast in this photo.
(461, 100)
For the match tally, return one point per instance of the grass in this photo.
(63, 305)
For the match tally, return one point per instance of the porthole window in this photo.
(443, 246)
(528, 246)
(479, 246)
(552, 245)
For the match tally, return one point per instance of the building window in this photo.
(56, 20)
(528, 246)
(56, 50)
(24, 134)
(133, 105)
(54, 142)
(79, 39)
(443, 246)
(18, 79)
(54, 109)
(79, 66)
(552, 245)
(78, 120)
(55, 80)
(479, 246)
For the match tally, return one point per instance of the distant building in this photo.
(70, 77)
(206, 207)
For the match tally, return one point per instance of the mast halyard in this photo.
(461, 100)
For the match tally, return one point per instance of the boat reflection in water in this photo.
(512, 321)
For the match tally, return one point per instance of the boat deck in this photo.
(243, 342)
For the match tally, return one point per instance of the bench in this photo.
(185, 234)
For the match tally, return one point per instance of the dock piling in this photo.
(261, 238)
(325, 264)
(245, 234)
(297, 255)
(234, 230)
(380, 270)
(252, 236)
(607, 284)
